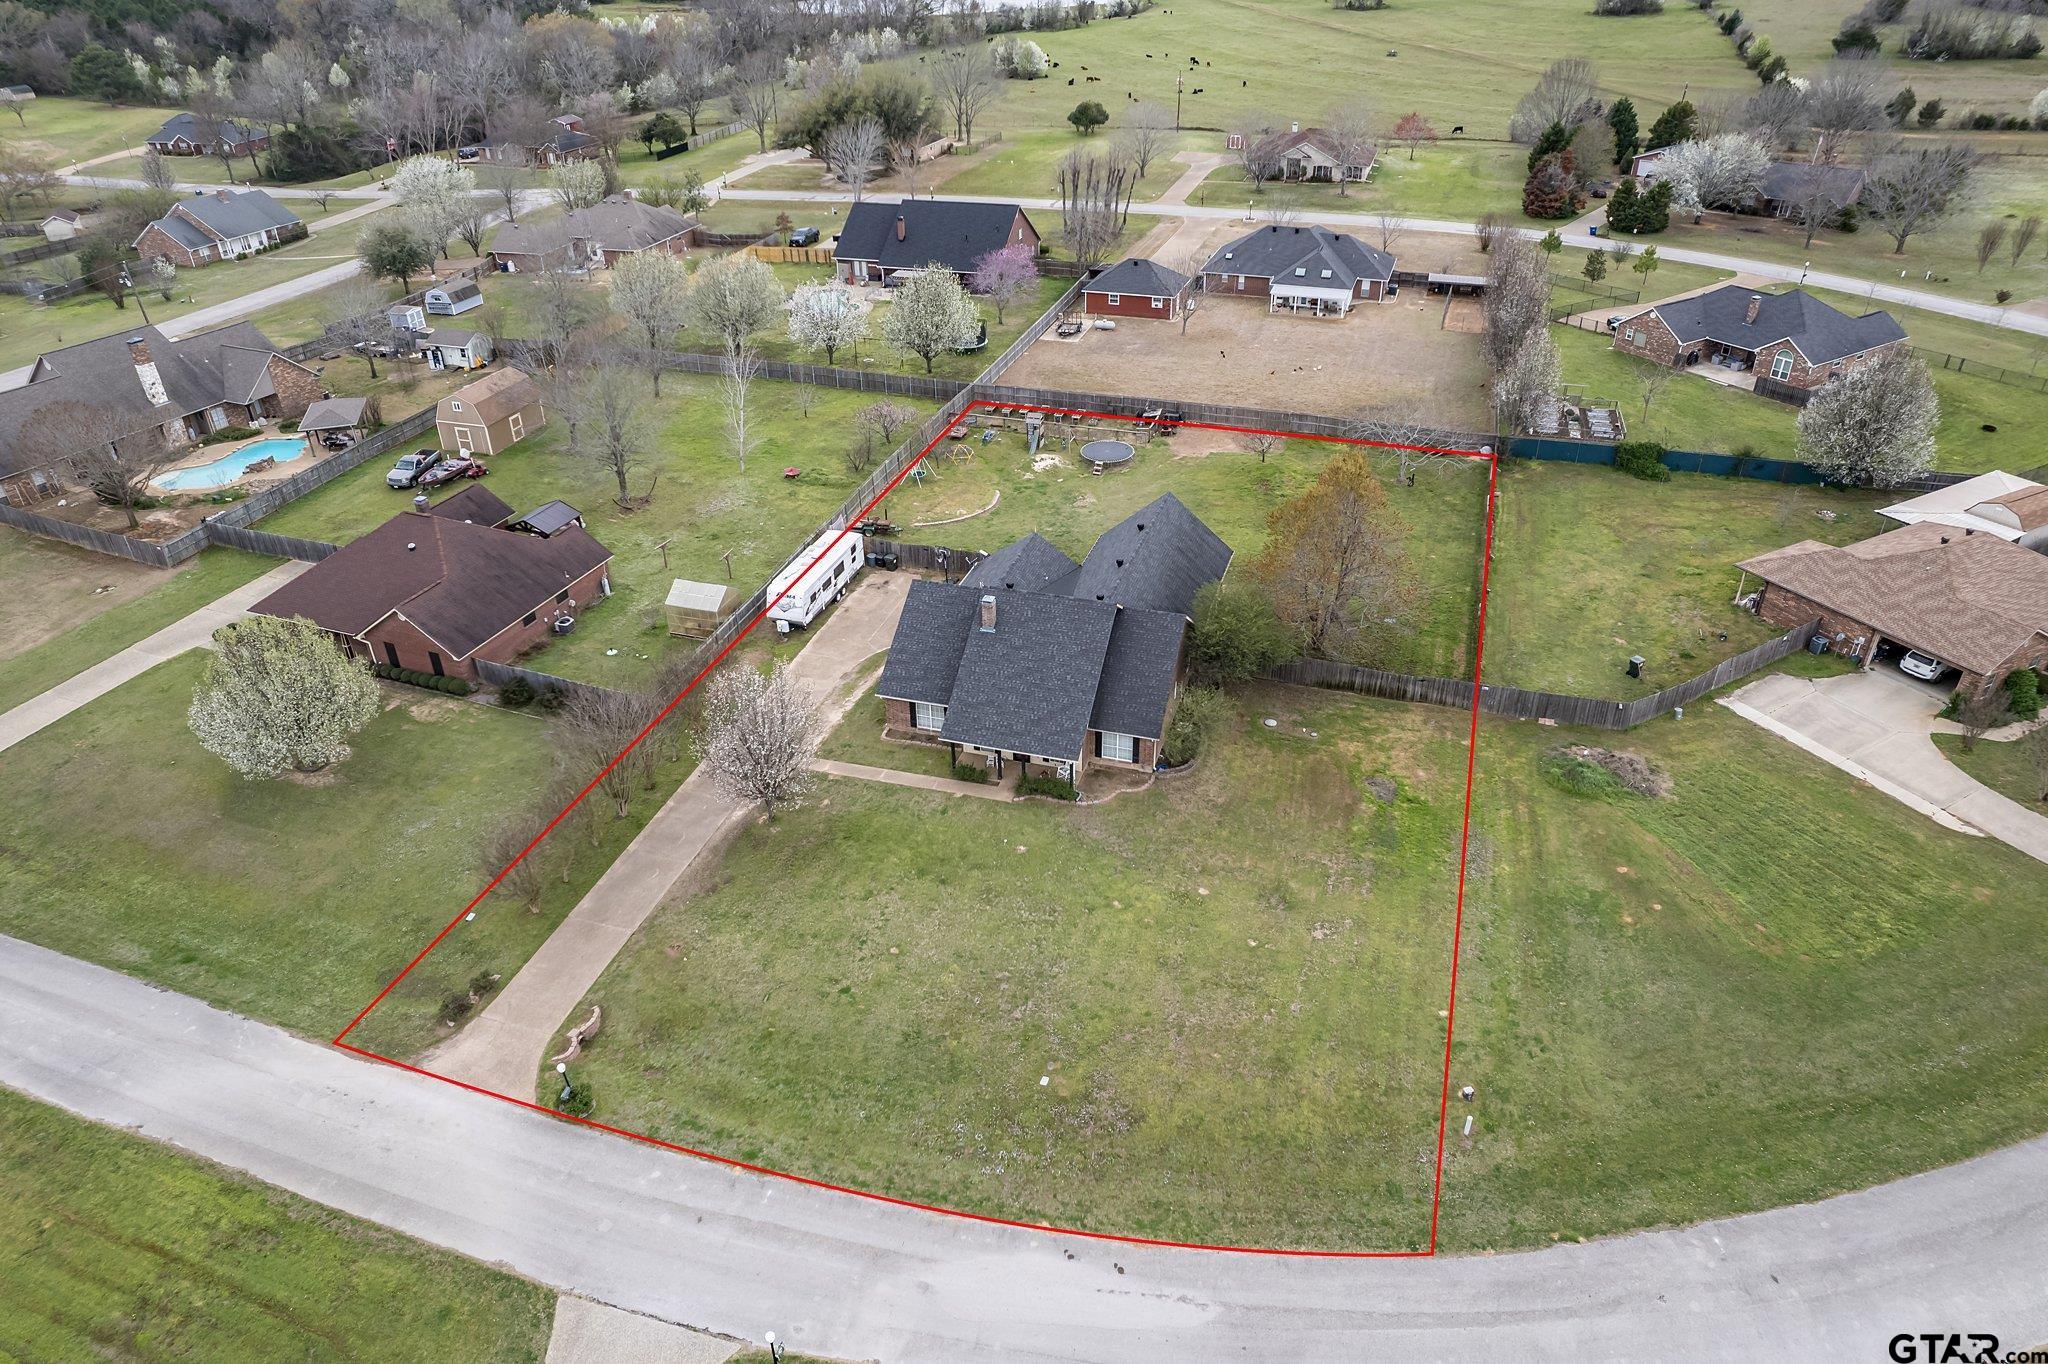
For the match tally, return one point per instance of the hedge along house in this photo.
(490, 415)
(145, 383)
(882, 240)
(1033, 659)
(1779, 345)
(1300, 269)
(436, 590)
(1137, 288)
(1973, 600)
(222, 225)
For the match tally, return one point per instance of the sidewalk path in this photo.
(1200, 166)
(502, 1048)
(2013, 319)
(1875, 726)
(192, 632)
(689, 1241)
(920, 781)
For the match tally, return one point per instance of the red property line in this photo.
(1457, 923)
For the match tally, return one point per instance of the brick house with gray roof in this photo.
(882, 239)
(592, 238)
(1035, 659)
(1786, 344)
(1300, 269)
(222, 225)
(188, 134)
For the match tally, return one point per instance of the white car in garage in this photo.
(1913, 663)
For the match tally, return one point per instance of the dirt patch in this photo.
(432, 709)
(1632, 770)
(1384, 789)
(1465, 315)
(326, 776)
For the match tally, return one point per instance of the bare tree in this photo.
(1817, 193)
(735, 389)
(1912, 188)
(2023, 234)
(1490, 228)
(102, 447)
(1980, 710)
(1095, 195)
(1350, 130)
(504, 180)
(759, 736)
(596, 726)
(697, 76)
(356, 318)
(1845, 100)
(615, 409)
(756, 96)
(1568, 93)
(156, 170)
(886, 418)
(213, 129)
(1192, 265)
(1651, 383)
(1779, 113)
(1389, 225)
(1258, 146)
(966, 81)
(1404, 431)
(851, 151)
(1989, 238)
(650, 289)
(471, 222)
(1261, 443)
(1143, 136)
(561, 311)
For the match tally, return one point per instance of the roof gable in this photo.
(955, 233)
(1277, 250)
(1156, 558)
(1822, 333)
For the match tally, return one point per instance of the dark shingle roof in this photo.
(1278, 250)
(1028, 686)
(236, 215)
(549, 518)
(1158, 557)
(615, 223)
(1138, 673)
(1026, 565)
(1141, 277)
(924, 656)
(187, 127)
(1820, 332)
(950, 232)
(474, 503)
(330, 414)
(1792, 180)
(458, 581)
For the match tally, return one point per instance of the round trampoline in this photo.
(1108, 454)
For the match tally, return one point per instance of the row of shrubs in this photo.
(412, 677)
(977, 773)
(1056, 787)
(1199, 713)
(228, 433)
(520, 693)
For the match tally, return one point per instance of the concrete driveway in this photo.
(1877, 726)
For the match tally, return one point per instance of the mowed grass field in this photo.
(703, 507)
(1591, 566)
(68, 608)
(292, 901)
(113, 1246)
(1800, 30)
(2009, 767)
(63, 130)
(1441, 520)
(1240, 1037)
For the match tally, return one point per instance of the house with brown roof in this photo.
(1971, 600)
(593, 238)
(1316, 154)
(435, 590)
(490, 415)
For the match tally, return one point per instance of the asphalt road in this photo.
(2011, 319)
(1960, 1249)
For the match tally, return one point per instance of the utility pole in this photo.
(1178, 83)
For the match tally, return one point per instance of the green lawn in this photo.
(2008, 767)
(1695, 414)
(1591, 566)
(27, 329)
(65, 130)
(1690, 1007)
(703, 507)
(1800, 30)
(858, 739)
(113, 1246)
(1443, 517)
(68, 608)
(876, 983)
(292, 901)
(1454, 180)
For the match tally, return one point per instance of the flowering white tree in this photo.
(1006, 276)
(931, 314)
(734, 297)
(1873, 426)
(577, 184)
(277, 694)
(1715, 172)
(825, 317)
(650, 289)
(433, 191)
(1529, 382)
(759, 736)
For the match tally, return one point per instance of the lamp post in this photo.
(774, 1348)
(562, 1069)
(1804, 266)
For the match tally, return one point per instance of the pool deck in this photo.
(215, 455)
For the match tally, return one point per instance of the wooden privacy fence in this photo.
(1516, 703)
(102, 541)
(950, 561)
(789, 255)
(1214, 414)
(268, 542)
(925, 386)
(498, 674)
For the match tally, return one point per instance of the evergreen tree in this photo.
(1653, 208)
(1623, 210)
(1555, 139)
(1622, 118)
(1550, 192)
(1673, 126)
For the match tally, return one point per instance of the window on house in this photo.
(1158, 302)
(928, 715)
(561, 596)
(1301, 271)
(454, 405)
(1781, 365)
(1635, 337)
(1326, 274)
(1121, 748)
(531, 616)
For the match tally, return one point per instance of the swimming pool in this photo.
(228, 468)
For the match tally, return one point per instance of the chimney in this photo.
(901, 229)
(222, 195)
(988, 614)
(138, 351)
(146, 372)
(1294, 126)
(1756, 302)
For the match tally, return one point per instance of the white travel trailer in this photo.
(814, 586)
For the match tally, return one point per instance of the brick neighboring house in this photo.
(563, 142)
(189, 135)
(1790, 185)
(881, 240)
(1137, 288)
(1998, 503)
(436, 590)
(185, 389)
(593, 238)
(1975, 601)
(1034, 659)
(1315, 154)
(1300, 269)
(223, 225)
(1787, 344)
(490, 415)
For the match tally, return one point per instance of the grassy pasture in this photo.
(65, 130)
